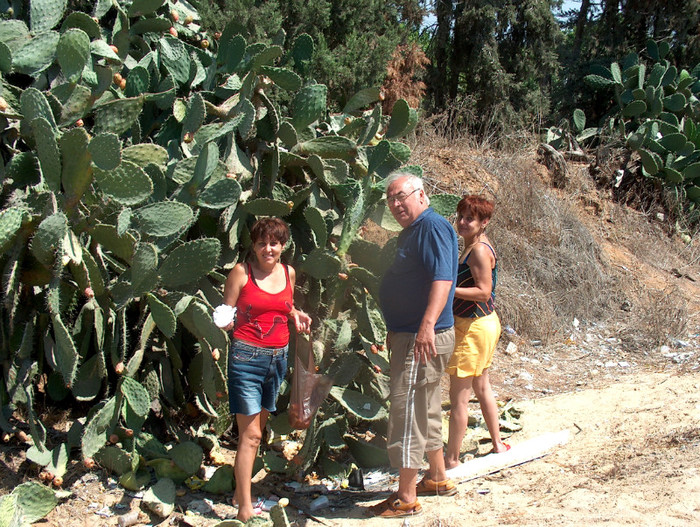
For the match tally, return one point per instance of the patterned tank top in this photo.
(470, 308)
(262, 316)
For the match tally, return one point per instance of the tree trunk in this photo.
(581, 22)
(443, 12)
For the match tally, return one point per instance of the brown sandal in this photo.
(428, 487)
(394, 507)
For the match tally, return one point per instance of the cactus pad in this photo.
(188, 456)
(327, 147)
(33, 104)
(35, 500)
(359, 404)
(105, 150)
(309, 105)
(220, 195)
(267, 207)
(160, 498)
(362, 99)
(146, 153)
(164, 218)
(221, 482)
(163, 316)
(118, 116)
(48, 153)
(136, 395)
(282, 77)
(190, 262)
(48, 238)
(11, 220)
(127, 184)
(144, 269)
(98, 428)
(37, 54)
(65, 354)
(73, 53)
(80, 20)
(321, 264)
(76, 174)
(175, 58)
(399, 121)
(137, 82)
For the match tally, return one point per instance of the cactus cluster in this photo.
(658, 115)
(137, 151)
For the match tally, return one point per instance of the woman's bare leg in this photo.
(250, 429)
(489, 409)
(460, 392)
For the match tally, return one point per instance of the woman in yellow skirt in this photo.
(477, 327)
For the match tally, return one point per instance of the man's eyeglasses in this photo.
(400, 197)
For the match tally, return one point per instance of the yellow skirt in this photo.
(475, 342)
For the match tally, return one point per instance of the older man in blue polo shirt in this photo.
(416, 296)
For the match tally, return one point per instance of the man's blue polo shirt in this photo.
(426, 252)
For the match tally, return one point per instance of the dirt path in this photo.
(633, 459)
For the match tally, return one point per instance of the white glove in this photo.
(224, 315)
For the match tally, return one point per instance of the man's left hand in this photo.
(424, 348)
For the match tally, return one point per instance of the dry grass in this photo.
(552, 265)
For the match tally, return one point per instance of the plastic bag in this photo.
(309, 388)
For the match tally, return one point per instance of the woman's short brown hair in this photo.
(478, 206)
(267, 229)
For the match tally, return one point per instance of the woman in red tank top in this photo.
(263, 293)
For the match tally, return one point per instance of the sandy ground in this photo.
(633, 458)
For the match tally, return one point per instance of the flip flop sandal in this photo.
(506, 450)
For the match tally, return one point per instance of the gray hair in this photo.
(415, 181)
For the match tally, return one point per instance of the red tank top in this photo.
(262, 316)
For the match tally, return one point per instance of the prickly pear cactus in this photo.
(138, 149)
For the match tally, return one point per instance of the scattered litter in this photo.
(378, 480)
(511, 348)
(575, 323)
(483, 491)
(535, 343)
(509, 330)
(267, 504)
(307, 489)
(526, 376)
(89, 477)
(128, 519)
(623, 364)
(677, 343)
(319, 503)
(209, 472)
(105, 512)
(610, 364)
(200, 507)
